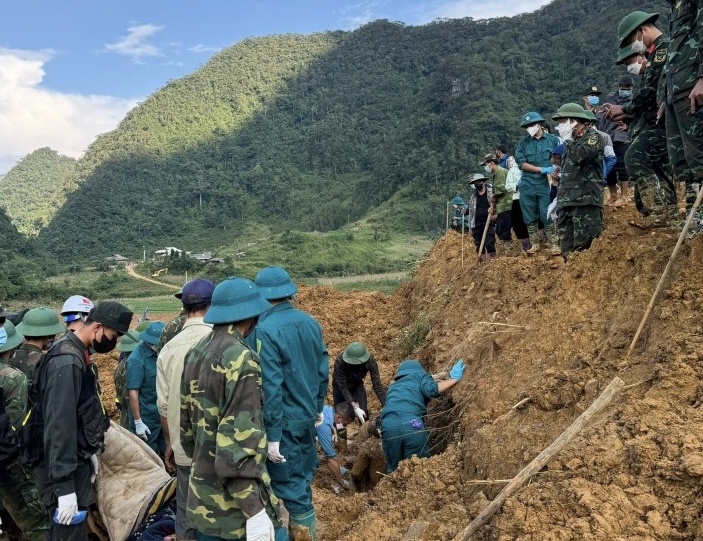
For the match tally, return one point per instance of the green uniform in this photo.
(684, 67)
(503, 196)
(18, 492)
(121, 391)
(534, 187)
(141, 376)
(647, 156)
(172, 328)
(222, 431)
(580, 194)
(25, 359)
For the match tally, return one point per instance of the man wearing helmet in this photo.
(39, 328)
(75, 310)
(350, 369)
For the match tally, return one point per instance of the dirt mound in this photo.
(555, 334)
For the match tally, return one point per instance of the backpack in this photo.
(8, 437)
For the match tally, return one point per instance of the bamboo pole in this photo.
(462, 241)
(541, 460)
(485, 234)
(660, 285)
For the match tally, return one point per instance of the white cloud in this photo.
(203, 49)
(32, 117)
(478, 9)
(359, 14)
(135, 44)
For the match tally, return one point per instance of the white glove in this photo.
(68, 506)
(141, 429)
(274, 454)
(345, 485)
(552, 210)
(361, 415)
(260, 528)
(95, 465)
(320, 419)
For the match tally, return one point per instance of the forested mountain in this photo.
(310, 132)
(36, 187)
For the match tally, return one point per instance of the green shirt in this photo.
(503, 196)
(15, 387)
(25, 359)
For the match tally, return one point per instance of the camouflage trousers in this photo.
(578, 226)
(684, 136)
(646, 160)
(21, 499)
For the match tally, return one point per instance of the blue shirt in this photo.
(141, 376)
(325, 432)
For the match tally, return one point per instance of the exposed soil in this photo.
(556, 333)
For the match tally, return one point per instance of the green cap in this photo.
(40, 322)
(142, 325)
(631, 22)
(128, 342)
(14, 338)
(571, 110)
(356, 353)
(626, 52)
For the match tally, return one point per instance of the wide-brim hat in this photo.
(631, 22)
(356, 353)
(152, 334)
(478, 177)
(14, 338)
(39, 322)
(490, 157)
(625, 52)
(235, 299)
(530, 117)
(571, 110)
(275, 283)
(128, 342)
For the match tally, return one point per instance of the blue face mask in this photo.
(625, 93)
(593, 100)
(3, 336)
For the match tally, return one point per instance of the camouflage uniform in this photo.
(684, 67)
(222, 431)
(121, 391)
(655, 193)
(25, 359)
(580, 195)
(172, 328)
(18, 492)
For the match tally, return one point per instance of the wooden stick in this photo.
(499, 324)
(660, 285)
(541, 460)
(485, 234)
(462, 242)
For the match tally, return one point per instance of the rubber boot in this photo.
(533, 232)
(507, 247)
(303, 527)
(553, 238)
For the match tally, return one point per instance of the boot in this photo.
(507, 247)
(553, 238)
(303, 527)
(533, 231)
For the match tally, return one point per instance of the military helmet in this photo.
(590, 116)
(14, 338)
(632, 22)
(530, 118)
(152, 333)
(40, 322)
(128, 342)
(459, 201)
(274, 283)
(235, 299)
(625, 52)
(356, 353)
(477, 177)
(571, 110)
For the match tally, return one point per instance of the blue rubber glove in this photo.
(457, 370)
(547, 170)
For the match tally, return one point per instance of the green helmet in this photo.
(626, 52)
(128, 341)
(356, 353)
(571, 110)
(14, 338)
(632, 22)
(530, 117)
(40, 322)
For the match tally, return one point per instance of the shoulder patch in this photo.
(660, 55)
(593, 139)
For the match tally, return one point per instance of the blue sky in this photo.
(71, 69)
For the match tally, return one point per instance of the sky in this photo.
(71, 69)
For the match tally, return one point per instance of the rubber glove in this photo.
(343, 470)
(274, 453)
(95, 465)
(457, 370)
(547, 170)
(320, 419)
(68, 506)
(141, 429)
(345, 485)
(260, 528)
(361, 414)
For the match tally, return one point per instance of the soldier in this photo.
(39, 328)
(620, 136)
(174, 326)
(295, 369)
(502, 199)
(646, 158)
(460, 221)
(18, 491)
(73, 417)
(580, 194)
(350, 369)
(222, 424)
(196, 298)
(533, 156)
(683, 96)
(75, 310)
(126, 345)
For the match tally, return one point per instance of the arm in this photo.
(446, 384)
(341, 379)
(324, 374)
(499, 189)
(135, 379)
(134, 403)
(378, 387)
(335, 468)
(272, 375)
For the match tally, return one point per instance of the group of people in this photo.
(651, 137)
(230, 394)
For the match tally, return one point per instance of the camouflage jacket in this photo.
(684, 64)
(172, 328)
(642, 110)
(582, 171)
(222, 431)
(15, 386)
(26, 359)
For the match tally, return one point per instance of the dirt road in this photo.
(130, 270)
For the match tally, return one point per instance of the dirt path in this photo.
(130, 270)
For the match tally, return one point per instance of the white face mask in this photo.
(532, 130)
(565, 129)
(487, 168)
(634, 68)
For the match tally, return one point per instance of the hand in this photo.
(68, 506)
(360, 414)
(621, 126)
(457, 370)
(546, 170)
(95, 465)
(274, 453)
(141, 429)
(169, 460)
(320, 419)
(696, 96)
(260, 528)
(612, 111)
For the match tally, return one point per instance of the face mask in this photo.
(532, 130)
(625, 93)
(487, 168)
(3, 336)
(593, 100)
(634, 68)
(105, 345)
(565, 130)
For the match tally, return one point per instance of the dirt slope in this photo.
(556, 333)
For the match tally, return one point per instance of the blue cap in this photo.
(198, 291)
(152, 333)
(559, 150)
(274, 283)
(530, 118)
(235, 299)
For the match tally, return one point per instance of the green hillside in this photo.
(312, 132)
(33, 190)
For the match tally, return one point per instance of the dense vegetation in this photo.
(312, 132)
(36, 187)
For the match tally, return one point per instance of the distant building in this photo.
(168, 251)
(117, 259)
(205, 256)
